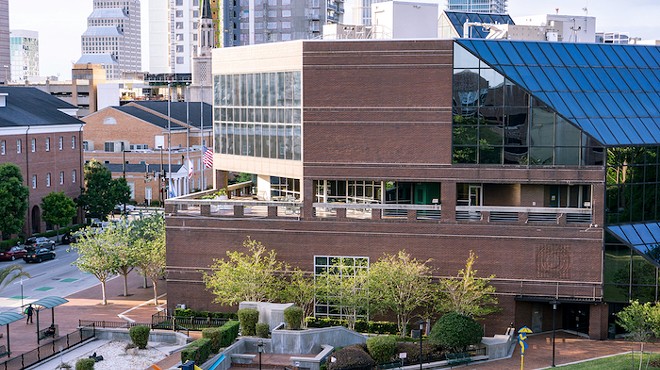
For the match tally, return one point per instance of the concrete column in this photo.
(239, 211)
(272, 211)
(308, 199)
(341, 213)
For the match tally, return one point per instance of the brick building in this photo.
(40, 134)
(137, 135)
(539, 157)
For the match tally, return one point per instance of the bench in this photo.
(50, 331)
(3, 351)
(458, 358)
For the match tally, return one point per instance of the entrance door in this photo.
(475, 195)
(576, 317)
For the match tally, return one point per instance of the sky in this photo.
(61, 23)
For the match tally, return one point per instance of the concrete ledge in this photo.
(312, 363)
(159, 336)
(242, 358)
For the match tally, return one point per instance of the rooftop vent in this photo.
(3, 99)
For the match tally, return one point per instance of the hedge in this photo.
(351, 357)
(248, 318)
(382, 348)
(223, 336)
(180, 312)
(361, 326)
(262, 330)
(293, 316)
(139, 336)
(85, 364)
(198, 351)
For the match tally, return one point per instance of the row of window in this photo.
(35, 179)
(33, 145)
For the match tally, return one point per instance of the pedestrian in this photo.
(29, 311)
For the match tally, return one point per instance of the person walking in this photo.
(29, 311)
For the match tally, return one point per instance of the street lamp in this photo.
(421, 356)
(260, 349)
(554, 316)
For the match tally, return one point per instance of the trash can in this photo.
(189, 365)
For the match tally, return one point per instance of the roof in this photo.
(50, 302)
(141, 167)
(105, 59)
(107, 13)
(7, 318)
(206, 10)
(457, 20)
(29, 106)
(102, 31)
(644, 238)
(181, 111)
(611, 92)
(145, 116)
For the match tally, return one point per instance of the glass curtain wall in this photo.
(497, 122)
(259, 115)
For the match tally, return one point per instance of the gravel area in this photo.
(116, 356)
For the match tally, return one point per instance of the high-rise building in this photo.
(24, 51)
(5, 61)
(478, 6)
(173, 32)
(112, 38)
(247, 22)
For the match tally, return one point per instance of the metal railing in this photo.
(111, 324)
(179, 323)
(50, 349)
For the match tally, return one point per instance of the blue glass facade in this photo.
(457, 20)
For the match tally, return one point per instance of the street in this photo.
(55, 277)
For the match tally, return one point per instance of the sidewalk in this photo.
(86, 305)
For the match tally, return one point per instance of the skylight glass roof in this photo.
(644, 238)
(612, 92)
(457, 20)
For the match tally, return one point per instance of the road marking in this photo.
(44, 288)
(123, 314)
(19, 297)
(68, 280)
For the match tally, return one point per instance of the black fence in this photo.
(180, 323)
(50, 349)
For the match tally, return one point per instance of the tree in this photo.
(346, 287)
(638, 320)
(251, 276)
(148, 240)
(400, 284)
(58, 209)
(467, 294)
(94, 255)
(101, 192)
(13, 200)
(124, 253)
(10, 273)
(299, 289)
(456, 332)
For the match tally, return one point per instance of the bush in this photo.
(197, 351)
(352, 357)
(263, 329)
(248, 318)
(382, 349)
(293, 317)
(456, 332)
(361, 326)
(214, 335)
(230, 333)
(85, 364)
(139, 335)
(180, 312)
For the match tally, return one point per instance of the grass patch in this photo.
(620, 362)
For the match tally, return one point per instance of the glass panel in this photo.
(542, 128)
(601, 58)
(590, 126)
(498, 53)
(566, 56)
(650, 56)
(613, 125)
(538, 54)
(586, 105)
(463, 58)
(526, 78)
(540, 76)
(512, 53)
(572, 104)
(612, 55)
(551, 54)
(590, 59)
(640, 79)
(551, 72)
(540, 155)
(566, 133)
(593, 82)
(566, 77)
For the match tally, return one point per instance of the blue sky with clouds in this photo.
(61, 23)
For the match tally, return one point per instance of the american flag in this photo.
(208, 157)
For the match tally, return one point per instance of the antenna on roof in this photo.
(557, 10)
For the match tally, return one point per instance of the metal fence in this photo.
(179, 323)
(49, 349)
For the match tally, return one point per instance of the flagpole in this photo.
(202, 167)
(169, 135)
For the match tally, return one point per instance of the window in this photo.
(34, 145)
(34, 181)
(179, 14)
(85, 145)
(19, 146)
(138, 146)
(48, 180)
(179, 48)
(61, 177)
(61, 143)
(179, 25)
(73, 176)
(48, 144)
(339, 267)
(179, 60)
(73, 142)
(109, 146)
(3, 147)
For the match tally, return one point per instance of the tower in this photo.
(202, 87)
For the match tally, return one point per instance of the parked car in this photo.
(39, 255)
(13, 253)
(69, 237)
(119, 209)
(39, 242)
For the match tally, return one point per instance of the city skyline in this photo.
(58, 50)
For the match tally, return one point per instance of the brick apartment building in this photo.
(40, 134)
(539, 157)
(137, 135)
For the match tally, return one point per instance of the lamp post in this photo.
(123, 169)
(554, 317)
(421, 356)
(260, 349)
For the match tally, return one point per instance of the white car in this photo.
(119, 208)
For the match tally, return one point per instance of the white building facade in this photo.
(113, 37)
(5, 62)
(173, 33)
(478, 6)
(24, 51)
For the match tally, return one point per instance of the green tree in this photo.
(58, 209)
(13, 200)
(400, 284)
(10, 273)
(148, 240)
(251, 276)
(124, 253)
(101, 192)
(456, 332)
(346, 287)
(638, 320)
(298, 288)
(467, 294)
(94, 249)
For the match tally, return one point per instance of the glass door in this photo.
(475, 195)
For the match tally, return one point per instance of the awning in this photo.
(50, 302)
(7, 318)
(643, 238)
